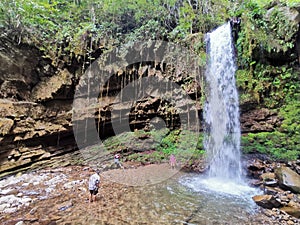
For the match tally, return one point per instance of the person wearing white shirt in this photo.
(94, 183)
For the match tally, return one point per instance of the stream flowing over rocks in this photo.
(60, 196)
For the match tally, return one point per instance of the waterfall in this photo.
(221, 110)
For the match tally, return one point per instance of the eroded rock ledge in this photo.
(36, 105)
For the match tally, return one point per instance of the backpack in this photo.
(96, 184)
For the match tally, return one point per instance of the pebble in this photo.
(25, 184)
(65, 205)
(10, 210)
(4, 206)
(33, 210)
(20, 223)
(5, 192)
(50, 189)
(73, 183)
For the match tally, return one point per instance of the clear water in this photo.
(221, 111)
(183, 199)
(187, 200)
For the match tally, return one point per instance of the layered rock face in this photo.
(35, 104)
(137, 90)
(36, 100)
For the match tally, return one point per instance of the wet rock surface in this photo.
(46, 196)
(266, 201)
(60, 196)
(288, 179)
(280, 183)
(259, 120)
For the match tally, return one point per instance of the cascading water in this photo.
(222, 126)
(221, 112)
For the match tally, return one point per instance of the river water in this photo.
(183, 200)
(61, 196)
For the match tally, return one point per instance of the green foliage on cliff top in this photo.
(75, 28)
(64, 29)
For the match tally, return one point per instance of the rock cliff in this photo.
(35, 104)
(36, 101)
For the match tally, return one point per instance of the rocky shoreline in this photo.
(59, 195)
(280, 183)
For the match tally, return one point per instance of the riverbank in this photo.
(60, 196)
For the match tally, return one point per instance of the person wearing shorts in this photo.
(94, 183)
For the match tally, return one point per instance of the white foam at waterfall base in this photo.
(227, 187)
(232, 197)
(219, 187)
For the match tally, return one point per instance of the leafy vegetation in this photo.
(270, 85)
(182, 144)
(266, 40)
(65, 29)
(283, 143)
(275, 144)
(268, 71)
(157, 145)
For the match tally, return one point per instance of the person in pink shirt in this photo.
(172, 161)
